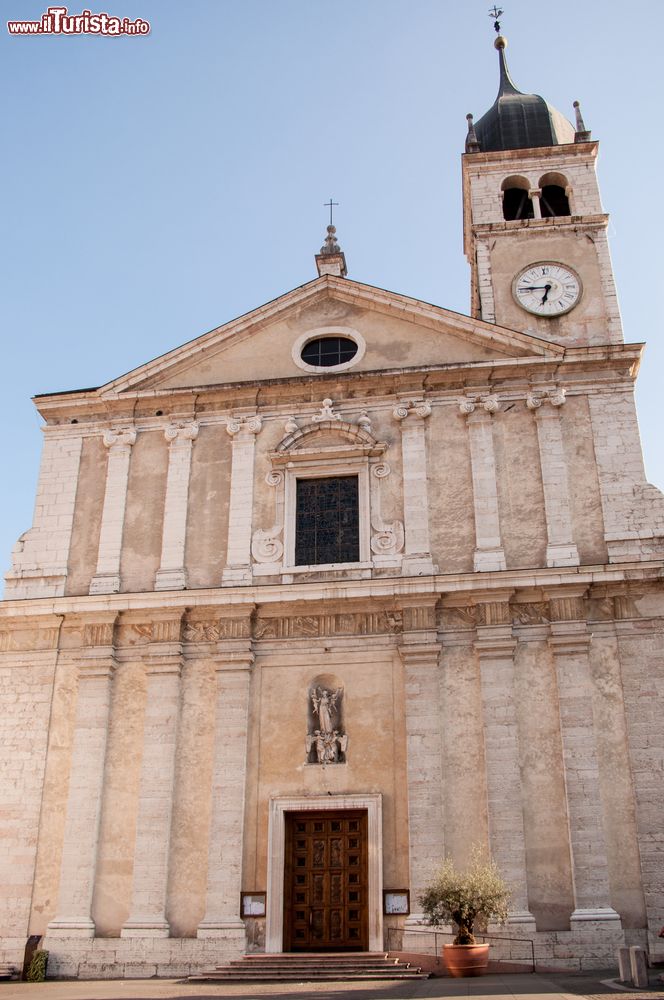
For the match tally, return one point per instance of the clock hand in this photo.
(546, 294)
(533, 288)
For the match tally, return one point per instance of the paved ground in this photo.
(494, 987)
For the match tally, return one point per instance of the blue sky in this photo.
(156, 187)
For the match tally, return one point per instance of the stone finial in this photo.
(331, 259)
(472, 145)
(582, 134)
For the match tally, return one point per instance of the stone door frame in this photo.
(276, 848)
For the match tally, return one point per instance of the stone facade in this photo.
(498, 641)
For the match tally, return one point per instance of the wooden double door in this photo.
(326, 885)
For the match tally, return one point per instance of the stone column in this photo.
(495, 649)
(570, 643)
(417, 548)
(561, 549)
(86, 779)
(147, 916)
(489, 555)
(420, 655)
(171, 573)
(238, 559)
(119, 442)
(224, 882)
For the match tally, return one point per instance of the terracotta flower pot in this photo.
(465, 959)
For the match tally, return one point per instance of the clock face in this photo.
(547, 288)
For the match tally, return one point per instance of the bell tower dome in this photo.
(535, 233)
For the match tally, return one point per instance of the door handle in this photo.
(311, 917)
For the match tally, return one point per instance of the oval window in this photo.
(326, 352)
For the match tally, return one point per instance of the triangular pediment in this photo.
(395, 332)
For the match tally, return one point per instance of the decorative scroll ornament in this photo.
(265, 544)
(266, 547)
(250, 424)
(326, 742)
(408, 407)
(181, 431)
(119, 436)
(326, 413)
(490, 404)
(388, 538)
(555, 396)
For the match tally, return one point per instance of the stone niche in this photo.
(326, 741)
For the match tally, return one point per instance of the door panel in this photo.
(325, 891)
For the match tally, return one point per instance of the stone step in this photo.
(310, 975)
(7, 971)
(323, 967)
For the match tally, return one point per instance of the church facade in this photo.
(347, 585)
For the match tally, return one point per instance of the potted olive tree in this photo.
(462, 897)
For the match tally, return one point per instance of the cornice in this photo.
(618, 361)
(394, 589)
(583, 150)
(572, 223)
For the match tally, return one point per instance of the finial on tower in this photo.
(472, 145)
(331, 259)
(582, 134)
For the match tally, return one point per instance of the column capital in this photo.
(495, 642)
(420, 653)
(412, 408)
(479, 406)
(96, 663)
(180, 431)
(119, 437)
(227, 660)
(569, 638)
(244, 425)
(164, 662)
(556, 396)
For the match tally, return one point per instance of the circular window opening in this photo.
(326, 352)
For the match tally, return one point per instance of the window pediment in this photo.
(325, 440)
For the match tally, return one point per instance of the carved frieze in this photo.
(342, 624)
(139, 633)
(98, 634)
(217, 629)
(28, 639)
(625, 607)
(493, 613)
(569, 608)
(532, 613)
(457, 619)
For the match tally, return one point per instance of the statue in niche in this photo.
(325, 743)
(324, 703)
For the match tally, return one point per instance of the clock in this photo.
(547, 288)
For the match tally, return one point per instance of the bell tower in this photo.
(535, 233)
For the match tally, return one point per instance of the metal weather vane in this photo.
(495, 13)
